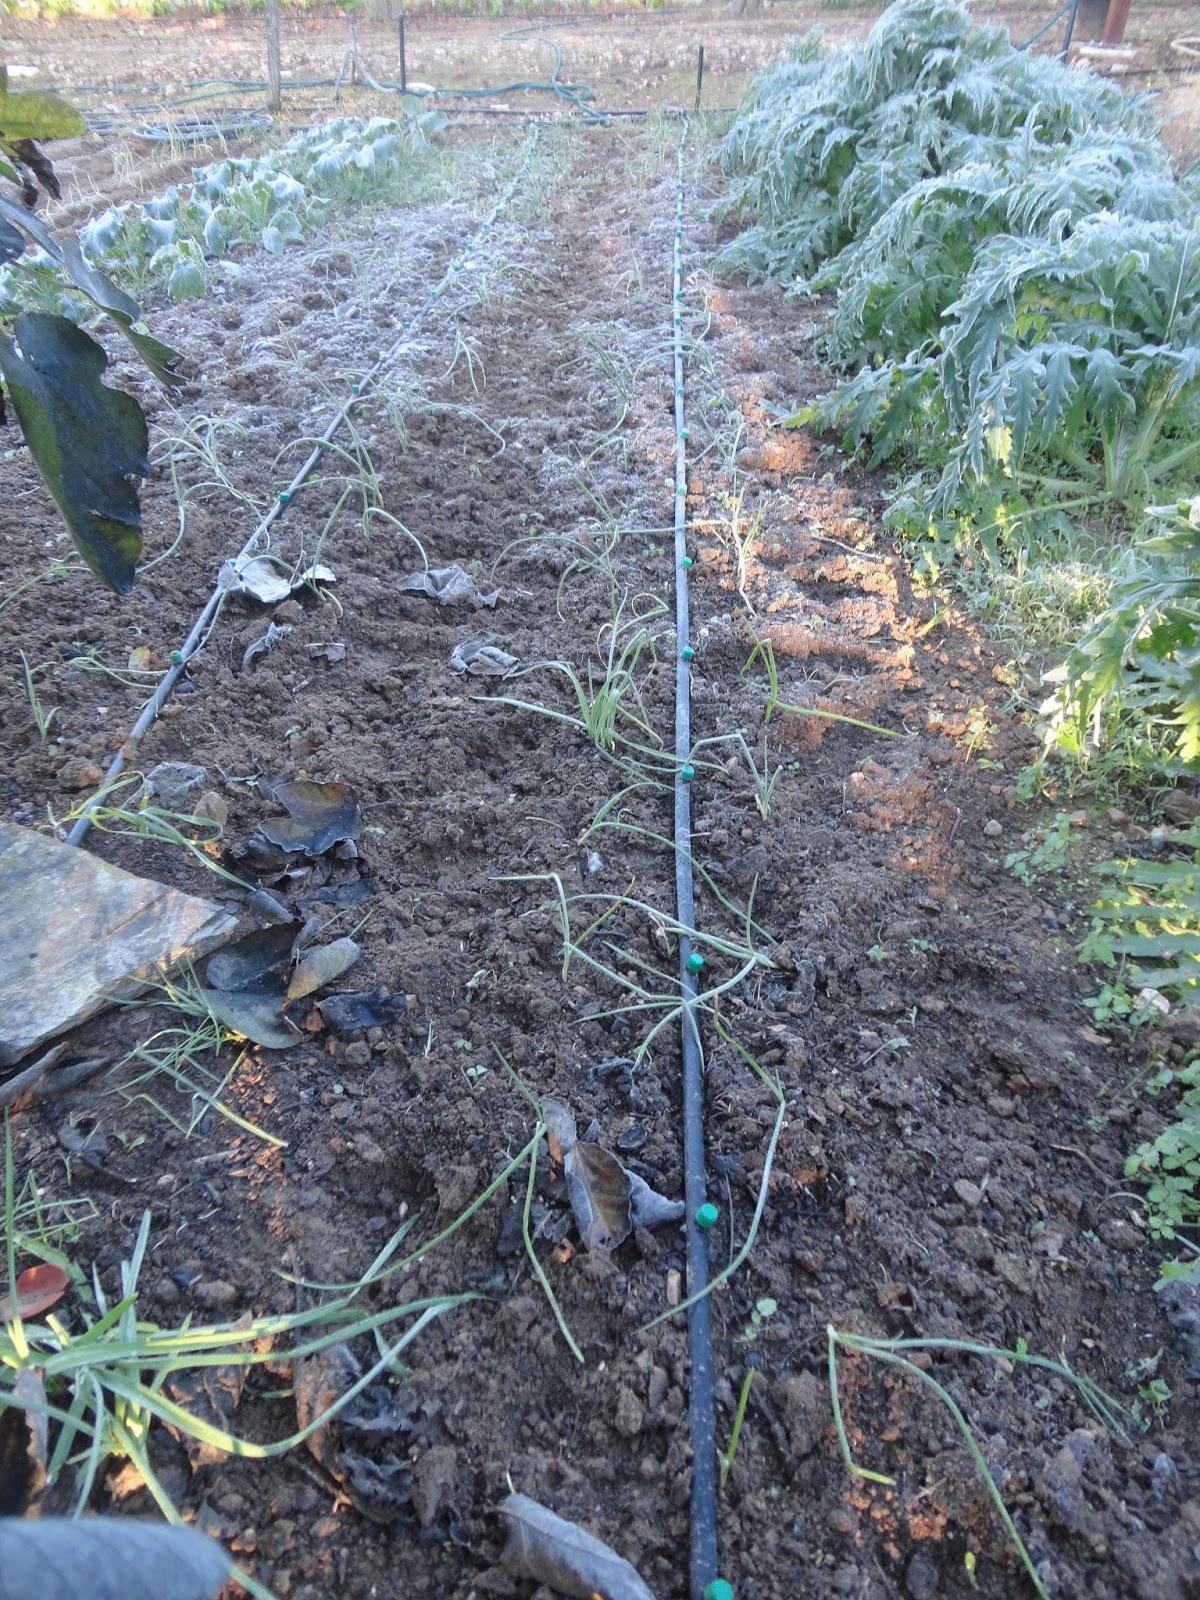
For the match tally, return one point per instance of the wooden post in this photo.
(1114, 22)
(403, 64)
(699, 76)
(275, 88)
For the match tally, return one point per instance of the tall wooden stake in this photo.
(1114, 22)
(275, 88)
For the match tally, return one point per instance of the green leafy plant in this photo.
(1114, 1007)
(1047, 854)
(1148, 916)
(762, 1313)
(1152, 1404)
(1170, 1164)
(1140, 662)
(88, 441)
(270, 201)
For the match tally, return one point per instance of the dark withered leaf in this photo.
(598, 1188)
(89, 441)
(379, 1489)
(211, 1394)
(320, 815)
(345, 1012)
(12, 242)
(318, 1383)
(28, 154)
(258, 963)
(549, 1549)
(560, 1127)
(254, 1016)
(380, 1410)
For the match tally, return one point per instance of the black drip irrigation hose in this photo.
(359, 393)
(705, 1585)
(576, 95)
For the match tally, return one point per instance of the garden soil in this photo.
(949, 1159)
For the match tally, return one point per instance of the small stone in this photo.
(1118, 1234)
(1165, 1477)
(845, 1579)
(842, 1520)
(992, 829)
(276, 1540)
(969, 1193)
(433, 1477)
(1151, 1000)
(80, 775)
(805, 1411)
(217, 1293)
(974, 1245)
(920, 1577)
(212, 807)
(858, 1210)
(657, 1389)
(290, 613)
(1181, 808)
(1079, 819)
(755, 863)
(1015, 1272)
(674, 1286)
(629, 1414)
(1116, 817)
(369, 1150)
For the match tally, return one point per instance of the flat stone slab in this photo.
(77, 934)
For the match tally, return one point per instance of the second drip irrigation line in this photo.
(705, 1584)
(358, 393)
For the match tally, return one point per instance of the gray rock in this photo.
(805, 1411)
(171, 783)
(433, 1478)
(755, 863)
(920, 1577)
(630, 1414)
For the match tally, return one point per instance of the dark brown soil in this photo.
(951, 1159)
